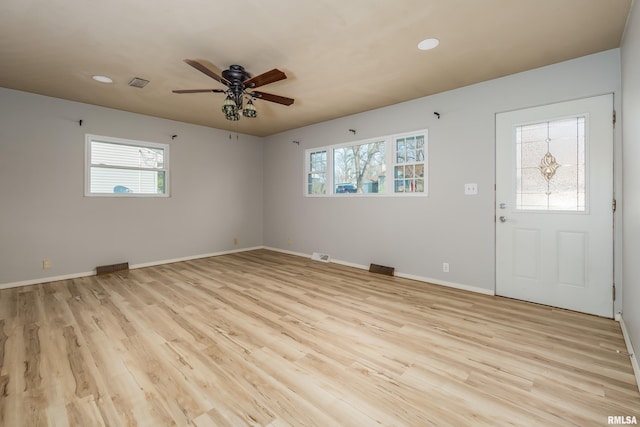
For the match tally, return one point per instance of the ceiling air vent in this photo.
(138, 82)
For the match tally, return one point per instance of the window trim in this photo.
(390, 163)
(89, 138)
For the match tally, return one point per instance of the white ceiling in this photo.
(341, 56)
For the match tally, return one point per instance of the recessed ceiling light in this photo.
(427, 44)
(102, 79)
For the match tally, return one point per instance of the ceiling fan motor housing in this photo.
(236, 75)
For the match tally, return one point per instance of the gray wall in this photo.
(631, 171)
(216, 191)
(417, 235)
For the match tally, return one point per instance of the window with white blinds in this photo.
(119, 167)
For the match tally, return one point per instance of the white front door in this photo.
(554, 194)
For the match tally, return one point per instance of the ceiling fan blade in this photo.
(207, 68)
(265, 78)
(273, 98)
(198, 90)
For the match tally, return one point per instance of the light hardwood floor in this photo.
(263, 338)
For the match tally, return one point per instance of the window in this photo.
(551, 165)
(119, 167)
(408, 172)
(360, 168)
(317, 172)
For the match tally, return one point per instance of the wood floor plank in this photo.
(262, 338)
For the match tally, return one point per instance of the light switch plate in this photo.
(471, 189)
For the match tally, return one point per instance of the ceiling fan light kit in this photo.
(239, 85)
(230, 109)
(250, 110)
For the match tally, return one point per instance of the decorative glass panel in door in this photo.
(550, 165)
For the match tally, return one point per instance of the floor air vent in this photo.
(113, 268)
(317, 256)
(382, 269)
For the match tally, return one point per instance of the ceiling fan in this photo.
(239, 85)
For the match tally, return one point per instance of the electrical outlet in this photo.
(46, 264)
(445, 267)
(471, 189)
(289, 241)
(235, 241)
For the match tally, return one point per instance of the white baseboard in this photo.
(632, 354)
(213, 254)
(46, 280)
(284, 251)
(454, 285)
(192, 257)
(350, 264)
(398, 274)
(131, 267)
(425, 279)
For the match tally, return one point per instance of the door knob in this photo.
(503, 219)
